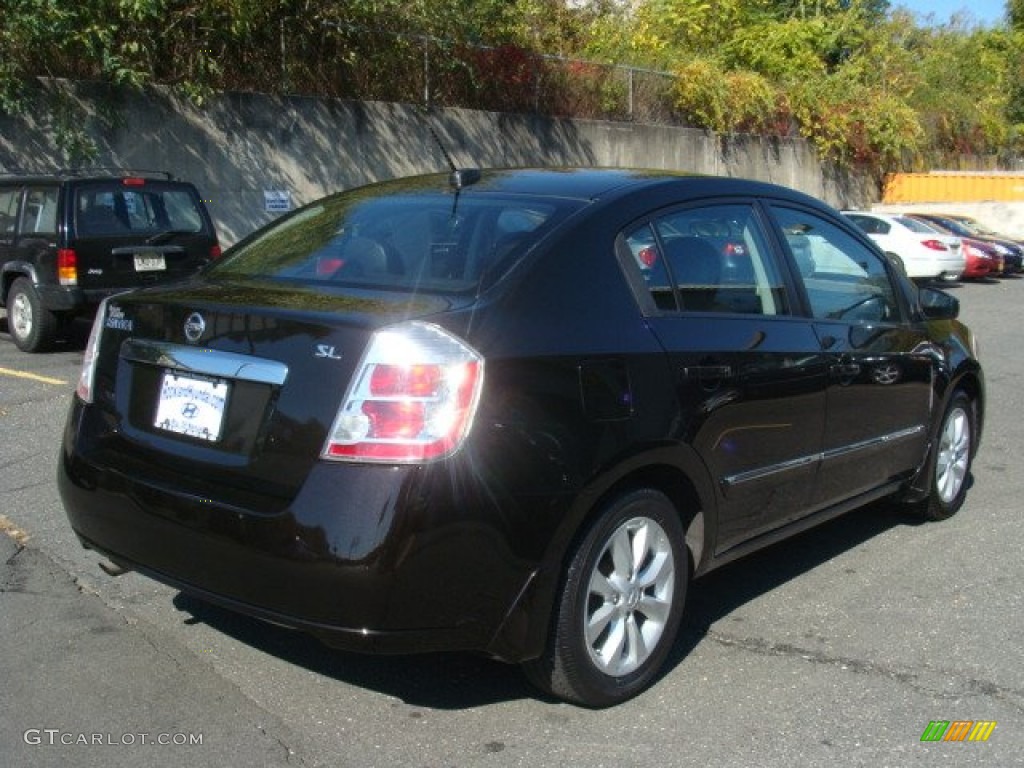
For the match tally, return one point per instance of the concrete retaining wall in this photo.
(240, 145)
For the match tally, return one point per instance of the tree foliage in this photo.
(866, 83)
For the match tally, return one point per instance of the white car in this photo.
(924, 252)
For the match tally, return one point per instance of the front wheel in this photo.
(621, 604)
(951, 460)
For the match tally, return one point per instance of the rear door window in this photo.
(708, 259)
(40, 213)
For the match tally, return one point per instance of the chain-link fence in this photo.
(363, 63)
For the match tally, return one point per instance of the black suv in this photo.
(69, 239)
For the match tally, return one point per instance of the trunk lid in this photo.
(228, 390)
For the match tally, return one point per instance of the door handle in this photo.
(845, 370)
(708, 371)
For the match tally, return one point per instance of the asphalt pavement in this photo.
(839, 647)
(86, 686)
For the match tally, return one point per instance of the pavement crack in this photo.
(937, 682)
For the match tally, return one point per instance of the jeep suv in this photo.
(69, 239)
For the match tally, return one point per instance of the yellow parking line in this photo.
(33, 377)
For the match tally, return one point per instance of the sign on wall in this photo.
(277, 200)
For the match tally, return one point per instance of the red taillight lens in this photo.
(413, 397)
(87, 377)
(648, 256)
(405, 380)
(935, 245)
(395, 419)
(133, 181)
(67, 266)
(215, 251)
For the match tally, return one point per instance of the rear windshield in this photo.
(421, 241)
(916, 226)
(114, 208)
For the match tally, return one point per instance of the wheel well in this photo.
(680, 491)
(6, 281)
(972, 388)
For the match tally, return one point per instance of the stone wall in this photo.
(238, 146)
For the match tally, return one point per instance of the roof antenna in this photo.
(459, 177)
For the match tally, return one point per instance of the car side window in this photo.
(8, 211)
(870, 225)
(40, 213)
(843, 279)
(708, 259)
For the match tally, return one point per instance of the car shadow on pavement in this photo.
(716, 595)
(445, 681)
(452, 681)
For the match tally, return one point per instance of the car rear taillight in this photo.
(935, 245)
(67, 266)
(412, 398)
(215, 251)
(133, 181)
(87, 377)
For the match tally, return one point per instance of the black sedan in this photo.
(514, 412)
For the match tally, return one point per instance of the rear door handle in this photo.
(708, 371)
(845, 370)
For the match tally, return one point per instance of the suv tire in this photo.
(32, 326)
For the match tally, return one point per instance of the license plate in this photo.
(191, 406)
(149, 262)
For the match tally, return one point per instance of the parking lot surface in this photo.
(838, 647)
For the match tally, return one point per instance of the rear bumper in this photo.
(58, 298)
(384, 562)
(931, 269)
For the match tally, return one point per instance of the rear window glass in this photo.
(916, 226)
(115, 208)
(426, 242)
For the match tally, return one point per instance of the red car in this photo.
(982, 259)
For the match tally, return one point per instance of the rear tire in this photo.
(951, 459)
(621, 603)
(32, 326)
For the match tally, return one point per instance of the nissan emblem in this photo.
(195, 326)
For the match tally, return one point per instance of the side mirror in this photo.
(938, 305)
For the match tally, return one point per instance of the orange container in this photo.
(953, 187)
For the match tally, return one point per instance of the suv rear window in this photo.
(423, 242)
(103, 209)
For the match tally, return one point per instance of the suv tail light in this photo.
(412, 398)
(215, 251)
(87, 377)
(935, 245)
(67, 266)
